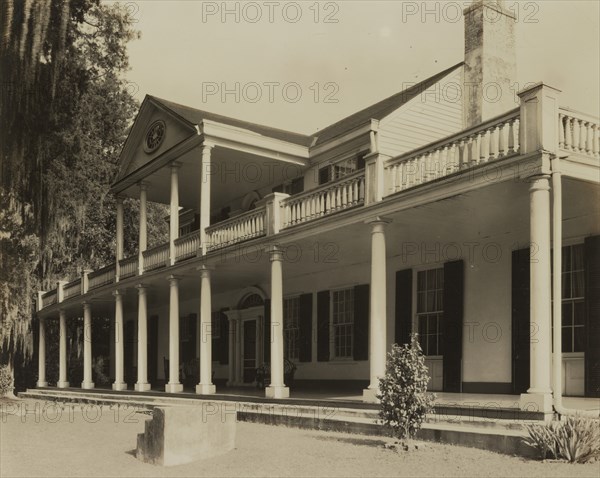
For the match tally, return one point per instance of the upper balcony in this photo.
(511, 138)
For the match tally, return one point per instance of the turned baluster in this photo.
(511, 137)
(576, 135)
(561, 131)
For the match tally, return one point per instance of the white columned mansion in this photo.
(421, 213)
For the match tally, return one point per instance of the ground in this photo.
(100, 442)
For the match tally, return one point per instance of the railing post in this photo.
(60, 291)
(374, 177)
(539, 119)
(274, 218)
(85, 281)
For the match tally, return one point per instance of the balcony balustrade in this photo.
(578, 133)
(237, 229)
(102, 277)
(492, 140)
(49, 298)
(156, 257)
(72, 289)
(187, 246)
(345, 193)
(128, 267)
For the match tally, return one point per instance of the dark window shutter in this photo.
(267, 332)
(360, 160)
(361, 322)
(403, 306)
(520, 320)
(324, 175)
(305, 325)
(278, 188)
(453, 324)
(592, 322)
(323, 326)
(224, 339)
(297, 185)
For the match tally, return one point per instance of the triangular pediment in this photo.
(155, 130)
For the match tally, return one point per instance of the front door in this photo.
(249, 353)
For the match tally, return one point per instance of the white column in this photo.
(277, 388)
(174, 211)
(539, 394)
(205, 387)
(42, 355)
(231, 353)
(87, 346)
(173, 386)
(205, 178)
(143, 238)
(62, 353)
(119, 383)
(377, 309)
(120, 236)
(142, 356)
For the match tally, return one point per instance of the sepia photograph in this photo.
(353, 238)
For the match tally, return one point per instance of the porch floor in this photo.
(349, 398)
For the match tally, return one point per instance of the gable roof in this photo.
(376, 111)
(195, 117)
(381, 109)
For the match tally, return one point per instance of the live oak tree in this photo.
(65, 111)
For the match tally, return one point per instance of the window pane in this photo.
(421, 303)
(567, 337)
(566, 285)
(422, 326)
(579, 313)
(432, 345)
(579, 339)
(431, 278)
(421, 283)
(567, 314)
(440, 278)
(432, 324)
(577, 258)
(577, 284)
(566, 258)
(430, 301)
(423, 343)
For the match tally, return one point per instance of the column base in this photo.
(370, 395)
(41, 384)
(206, 389)
(142, 387)
(62, 384)
(173, 387)
(119, 386)
(536, 402)
(277, 392)
(87, 385)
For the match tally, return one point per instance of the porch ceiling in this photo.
(234, 174)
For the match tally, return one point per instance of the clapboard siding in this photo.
(422, 120)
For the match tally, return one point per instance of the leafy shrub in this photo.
(576, 439)
(403, 390)
(6, 380)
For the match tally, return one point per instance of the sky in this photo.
(303, 65)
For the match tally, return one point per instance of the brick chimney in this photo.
(490, 61)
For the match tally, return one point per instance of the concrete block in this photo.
(179, 435)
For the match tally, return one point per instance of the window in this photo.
(430, 310)
(573, 312)
(291, 328)
(331, 172)
(251, 300)
(343, 323)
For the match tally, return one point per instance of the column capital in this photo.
(207, 146)
(275, 253)
(87, 305)
(378, 220)
(174, 279)
(539, 182)
(119, 198)
(143, 185)
(205, 270)
(118, 293)
(141, 288)
(175, 165)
